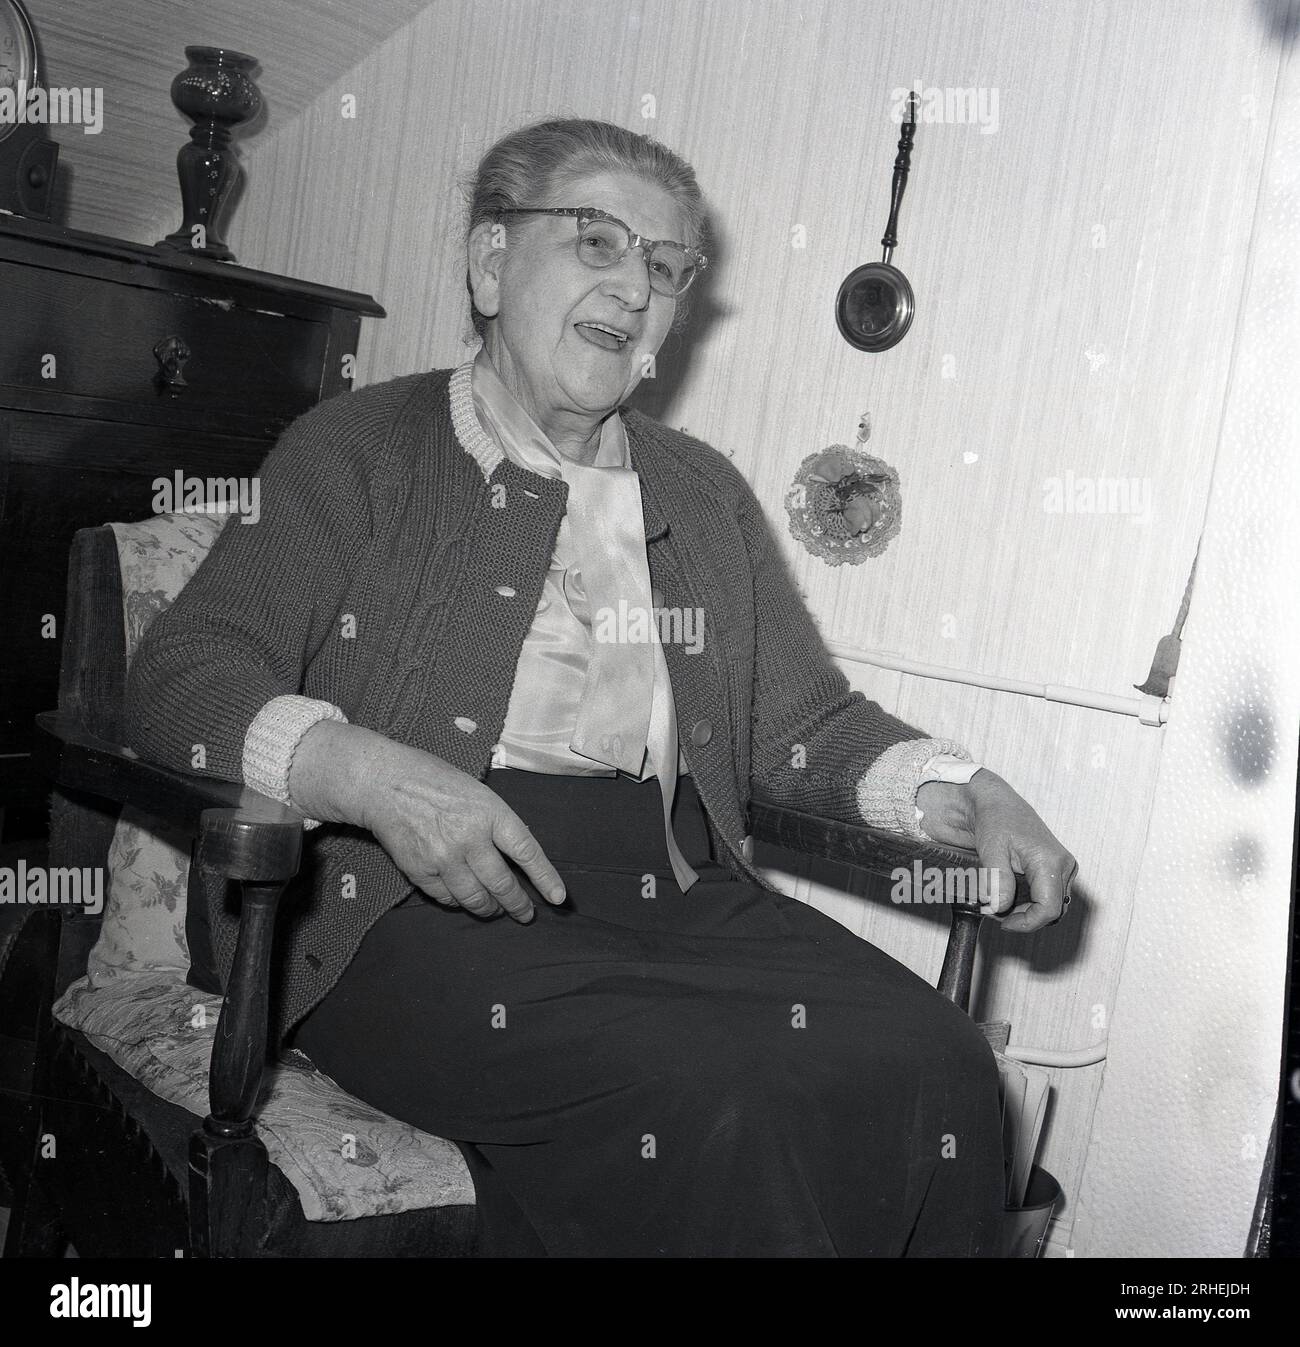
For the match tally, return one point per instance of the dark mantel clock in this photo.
(27, 154)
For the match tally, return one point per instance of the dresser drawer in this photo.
(91, 338)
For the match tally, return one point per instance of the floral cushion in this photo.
(143, 924)
(344, 1158)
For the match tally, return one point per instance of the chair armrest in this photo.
(871, 849)
(69, 756)
(881, 853)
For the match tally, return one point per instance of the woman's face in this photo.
(550, 307)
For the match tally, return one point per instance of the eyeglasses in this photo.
(604, 240)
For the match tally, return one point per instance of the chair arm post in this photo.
(228, 1195)
(239, 1050)
(959, 958)
(262, 857)
(228, 1162)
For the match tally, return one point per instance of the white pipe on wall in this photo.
(1058, 1056)
(1149, 709)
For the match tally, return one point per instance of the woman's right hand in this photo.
(448, 833)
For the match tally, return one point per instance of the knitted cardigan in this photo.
(395, 574)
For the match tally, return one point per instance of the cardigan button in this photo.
(505, 591)
(466, 724)
(701, 732)
(747, 848)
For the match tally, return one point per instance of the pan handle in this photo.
(902, 163)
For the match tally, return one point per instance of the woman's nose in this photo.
(628, 280)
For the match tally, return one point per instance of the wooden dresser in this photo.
(91, 414)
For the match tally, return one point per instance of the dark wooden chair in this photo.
(132, 1175)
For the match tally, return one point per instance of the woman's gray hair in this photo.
(526, 166)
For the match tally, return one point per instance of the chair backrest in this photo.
(92, 671)
(92, 683)
(119, 577)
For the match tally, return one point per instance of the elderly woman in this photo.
(531, 922)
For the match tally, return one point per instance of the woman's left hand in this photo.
(988, 817)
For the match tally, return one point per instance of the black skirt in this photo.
(645, 1072)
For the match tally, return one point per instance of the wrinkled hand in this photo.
(447, 832)
(988, 817)
(450, 836)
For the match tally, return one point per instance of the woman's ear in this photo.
(486, 255)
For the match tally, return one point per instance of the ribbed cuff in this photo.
(887, 790)
(273, 738)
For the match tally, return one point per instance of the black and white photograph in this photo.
(649, 629)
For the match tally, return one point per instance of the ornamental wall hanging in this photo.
(875, 304)
(845, 505)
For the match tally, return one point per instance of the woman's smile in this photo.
(602, 335)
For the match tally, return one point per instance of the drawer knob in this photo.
(171, 354)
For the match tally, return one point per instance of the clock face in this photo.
(17, 57)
